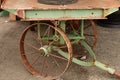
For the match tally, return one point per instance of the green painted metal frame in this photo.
(94, 61)
(81, 40)
(4, 13)
(31, 14)
(66, 14)
(62, 25)
(38, 14)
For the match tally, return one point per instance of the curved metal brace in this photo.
(89, 49)
(74, 60)
(77, 61)
(92, 63)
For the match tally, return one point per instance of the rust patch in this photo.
(62, 18)
(81, 4)
(21, 13)
(117, 74)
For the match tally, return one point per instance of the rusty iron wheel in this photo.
(38, 55)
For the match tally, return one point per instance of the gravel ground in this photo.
(11, 67)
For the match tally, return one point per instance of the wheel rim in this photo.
(39, 51)
(91, 33)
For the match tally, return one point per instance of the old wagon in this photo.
(61, 31)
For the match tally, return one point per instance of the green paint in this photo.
(13, 11)
(55, 14)
(104, 67)
(83, 63)
(63, 27)
(4, 13)
(58, 14)
(88, 48)
(111, 10)
(71, 37)
(82, 28)
(39, 31)
(74, 60)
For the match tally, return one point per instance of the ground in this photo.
(11, 67)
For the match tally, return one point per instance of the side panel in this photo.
(74, 14)
(68, 14)
(63, 14)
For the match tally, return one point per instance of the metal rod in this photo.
(89, 49)
(63, 27)
(74, 60)
(39, 34)
(104, 67)
(94, 63)
(82, 28)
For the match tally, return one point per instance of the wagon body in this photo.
(83, 9)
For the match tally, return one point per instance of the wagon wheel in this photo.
(38, 50)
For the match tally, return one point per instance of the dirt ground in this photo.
(11, 67)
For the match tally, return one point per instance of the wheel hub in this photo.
(46, 50)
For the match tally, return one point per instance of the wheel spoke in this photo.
(89, 35)
(55, 61)
(43, 65)
(35, 60)
(60, 47)
(51, 43)
(49, 33)
(87, 26)
(29, 53)
(36, 38)
(28, 44)
(45, 33)
(48, 66)
(89, 44)
(53, 55)
(63, 46)
(33, 36)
